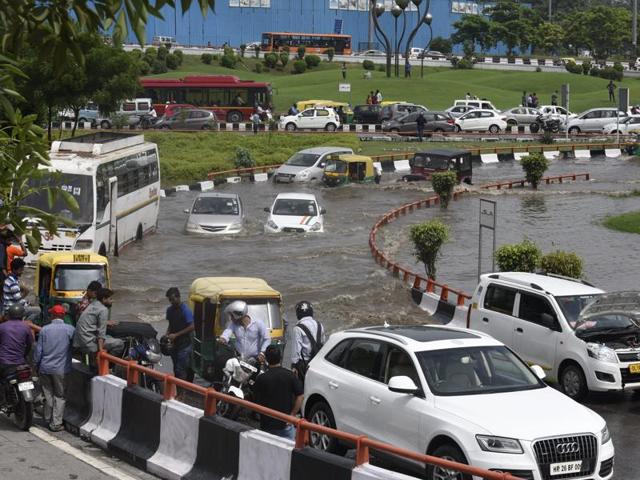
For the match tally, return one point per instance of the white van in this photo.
(483, 104)
(132, 109)
(164, 40)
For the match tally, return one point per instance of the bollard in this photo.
(444, 294)
(210, 403)
(430, 285)
(302, 434)
(132, 373)
(169, 388)
(460, 300)
(362, 451)
(416, 282)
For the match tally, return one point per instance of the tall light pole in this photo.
(421, 20)
(427, 21)
(550, 10)
(396, 11)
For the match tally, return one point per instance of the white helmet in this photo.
(236, 310)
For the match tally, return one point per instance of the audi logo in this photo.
(564, 448)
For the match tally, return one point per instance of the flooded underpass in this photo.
(336, 272)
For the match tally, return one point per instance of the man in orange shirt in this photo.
(15, 248)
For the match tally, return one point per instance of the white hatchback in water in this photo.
(295, 212)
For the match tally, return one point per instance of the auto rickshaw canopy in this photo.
(304, 104)
(53, 260)
(216, 287)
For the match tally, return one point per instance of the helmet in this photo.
(236, 310)
(166, 345)
(15, 311)
(304, 309)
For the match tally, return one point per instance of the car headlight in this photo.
(315, 227)
(234, 226)
(605, 435)
(192, 226)
(499, 444)
(272, 224)
(602, 352)
(303, 174)
(83, 245)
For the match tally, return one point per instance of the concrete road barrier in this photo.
(255, 446)
(109, 423)
(78, 395)
(310, 464)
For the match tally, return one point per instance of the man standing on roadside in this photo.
(611, 87)
(278, 389)
(344, 70)
(378, 97)
(554, 98)
(523, 100)
(91, 329)
(181, 326)
(52, 360)
(420, 123)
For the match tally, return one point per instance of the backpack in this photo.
(316, 344)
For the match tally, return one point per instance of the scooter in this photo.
(239, 378)
(18, 388)
(545, 124)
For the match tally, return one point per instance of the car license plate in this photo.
(25, 386)
(565, 467)
(634, 368)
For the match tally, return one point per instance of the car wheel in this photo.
(457, 129)
(290, 127)
(494, 129)
(234, 117)
(330, 127)
(574, 131)
(105, 124)
(573, 382)
(321, 414)
(206, 127)
(534, 127)
(82, 120)
(447, 452)
(512, 123)
(438, 130)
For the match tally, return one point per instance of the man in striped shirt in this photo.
(13, 292)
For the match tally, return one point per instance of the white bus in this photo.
(115, 178)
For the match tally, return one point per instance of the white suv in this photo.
(544, 319)
(452, 393)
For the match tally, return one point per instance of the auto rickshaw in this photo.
(347, 168)
(62, 277)
(208, 298)
(425, 164)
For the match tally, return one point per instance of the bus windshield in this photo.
(80, 186)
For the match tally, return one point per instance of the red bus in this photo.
(313, 42)
(231, 99)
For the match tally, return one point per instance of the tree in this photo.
(549, 37)
(443, 183)
(534, 166)
(475, 29)
(559, 262)
(518, 257)
(512, 24)
(441, 44)
(428, 238)
(601, 29)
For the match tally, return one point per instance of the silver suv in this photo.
(594, 120)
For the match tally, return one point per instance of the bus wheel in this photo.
(139, 233)
(234, 117)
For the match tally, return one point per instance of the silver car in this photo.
(521, 115)
(215, 213)
(594, 120)
(306, 165)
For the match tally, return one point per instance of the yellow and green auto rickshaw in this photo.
(62, 277)
(208, 298)
(346, 168)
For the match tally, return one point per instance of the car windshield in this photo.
(77, 277)
(476, 370)
(79, 186)
(295, 207)
(336, 166)
(216, 206)
(303, 159)
(572, 305)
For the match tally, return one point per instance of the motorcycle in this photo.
(545, 124)
(18, 387)
(239, 378)
(147, 121)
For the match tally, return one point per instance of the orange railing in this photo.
(303, 427)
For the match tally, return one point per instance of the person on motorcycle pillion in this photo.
(16, 339)
(252, 336)
(179, 333)
(308, 336)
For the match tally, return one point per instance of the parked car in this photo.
(188, 119)
(554, 323)
(459, 110)
(625, 125)
(434, 54)
(436, 122)
(133, 110)
(170, 109)
(521, 115)
(215, 213)
(481, 121)
(89, 114)
(414, 52)
(395, 110)
(312, 118)
(295, 212)
(456, 394)
(594, 120)
(483, 104)
(367, 114)
(306, 165)
(372, 53)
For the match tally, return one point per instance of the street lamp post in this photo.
(421, 20)
(427, 21)
(396, 11)
(377, 9)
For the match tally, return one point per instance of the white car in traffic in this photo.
(452, 393)
(319, 118)
(307, 165)
(481, 120)
(626, 125)
(295, 212)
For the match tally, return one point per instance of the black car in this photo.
(368, 114)
(436, 122)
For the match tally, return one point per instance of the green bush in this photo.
(441, 44)
(270, 60)
(158, 66)
(428, 238)
(534, 166)
(162, 53)
(228, 61)
(443, 184)
(559, 262)
(144, 68)
(119, 121)
(206, 58)
(312, 61)
(284, 58)
(173, 62)
(299, 66)
(464, 64)
(586, 67)
(518, 257)
(368, 65)
(256, 51)
(382, 68)
(331, 52)
(301, 52)
(610, 73)
(216, 57)
(228, 51)
(243, 158)
(180, 56)
(573, 67)
(258, 68)
(243, 48)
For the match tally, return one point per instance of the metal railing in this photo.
(304, 428)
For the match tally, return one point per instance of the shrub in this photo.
(256, 51)
(284, 58)
(538, 69)
(301, 52)
(143, 67)
(299, 66)
(228, 61)
(382, 68)
(464, 64)
(368, 65)
(443, 183)
(568, 264)
(573, 67)
(228, 51)
(270, 60)
(428, 238)
(162, 53)
(610, 73)
(534, 166)
(331, 52)
(151, 52)
(119, 121)
(216, 57)
(586, 67)
(158, 66)
(518, 257)
(206, 58)
(312, 61)
(179, 55)
(258, 68)
(243, 158)
(172, 61)
(243, 48)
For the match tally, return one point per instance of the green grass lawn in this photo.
(627, 222)
(436, 90)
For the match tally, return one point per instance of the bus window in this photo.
(197, 97)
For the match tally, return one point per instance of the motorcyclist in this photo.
(16, 339)
(308, 338)
(252, 336)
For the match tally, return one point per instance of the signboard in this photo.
(81, 257)
(344, 87)
(623, 99)
(337, 26)
(488, 214)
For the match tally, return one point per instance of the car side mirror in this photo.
(548, 321)
(267, 209)
(539, 371)
(323, 210)
(186, 210)
(403, 384)
(321, 165)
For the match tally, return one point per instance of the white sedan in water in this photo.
(295, 212)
